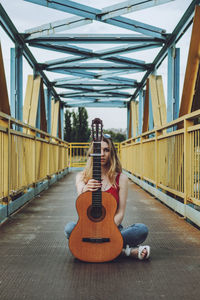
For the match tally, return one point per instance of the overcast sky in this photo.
(27, 15)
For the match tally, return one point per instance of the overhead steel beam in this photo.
(97, 104)
(97, 66)
(128, 7)
(116, 80)
(60, 61)
(179, 30)
(79, 90)
(110, 57)
(128, 48)
(115, 59)
(94, 38)
(78, 9)
(93, 99)
(126, 61)
(87, 74)
(104, 103)
(78, 73)
(81, 84)
(92, 75)
(12, 32)
(108, 54)
(86, 54)
(107, 12)
(53, 27)
(63, 48)
(94, 95)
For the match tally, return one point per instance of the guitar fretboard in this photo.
(96, 196)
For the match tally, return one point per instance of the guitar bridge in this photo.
(96, 240)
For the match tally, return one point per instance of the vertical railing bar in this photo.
(197, 183)
(182, 166)
(181, 173)
(195, 164)
(179, 176)
(35, 175)
(191, 165)
(70, 155)
(177, 180)
(9, 166)
(1, 167)
(176, 163)
(174, 158)
(181, 169)
(198, 187)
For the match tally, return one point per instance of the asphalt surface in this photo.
(35, 262)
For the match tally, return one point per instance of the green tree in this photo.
(120, 137)
(83, 129)
(68, 126)
(76, 126)
(117, 137)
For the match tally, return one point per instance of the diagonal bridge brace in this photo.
(75, 8)
(107, 13)
(86, 54)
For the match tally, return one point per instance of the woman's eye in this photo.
(107, 150)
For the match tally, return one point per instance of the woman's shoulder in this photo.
(123, 178)
(79, 176)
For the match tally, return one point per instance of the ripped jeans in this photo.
(133, 235)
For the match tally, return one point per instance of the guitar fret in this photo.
(96, 196)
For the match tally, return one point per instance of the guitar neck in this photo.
(96, 196)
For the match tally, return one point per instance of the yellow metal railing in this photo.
(78, 154)
(169, 160)
(27, 156)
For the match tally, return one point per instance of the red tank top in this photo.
(115, 190)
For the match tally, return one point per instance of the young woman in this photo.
(116, 183)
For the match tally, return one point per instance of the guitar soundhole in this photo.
(96, 214)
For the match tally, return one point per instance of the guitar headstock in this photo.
(97, 130)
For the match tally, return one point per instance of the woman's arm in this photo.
(123, 192)
(92, 184)
(80, 184)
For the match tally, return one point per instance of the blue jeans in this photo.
(133, 235)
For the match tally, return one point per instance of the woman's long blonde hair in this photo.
(114, 165)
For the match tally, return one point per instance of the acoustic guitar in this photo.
(96, 237)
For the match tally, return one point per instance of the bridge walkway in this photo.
(35, 262)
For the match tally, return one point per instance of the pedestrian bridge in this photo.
(161, 155)
(36, 262)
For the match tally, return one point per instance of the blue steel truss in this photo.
(95, 83)
(93, 77)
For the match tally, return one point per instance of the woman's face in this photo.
(105, 153)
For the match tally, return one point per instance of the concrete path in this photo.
(35, 262)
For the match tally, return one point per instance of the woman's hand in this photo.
(92, 186)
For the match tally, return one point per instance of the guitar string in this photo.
(97, 196)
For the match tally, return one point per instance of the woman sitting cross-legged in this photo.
(116, 183)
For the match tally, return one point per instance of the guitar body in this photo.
(96, 239)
